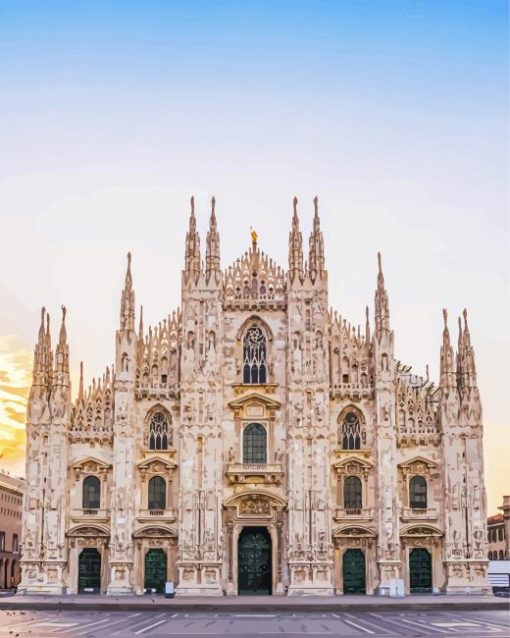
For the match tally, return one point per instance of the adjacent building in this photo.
(254, 441)
(498, 533)
(11, 511)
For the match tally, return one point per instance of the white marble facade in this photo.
(255, 409)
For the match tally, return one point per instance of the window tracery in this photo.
(350, 434)
(159, 435)
(254, 356)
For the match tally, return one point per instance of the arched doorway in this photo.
(14, 574)
(89, 571)
(353, 572)
(155, 570)
(254, 561)
(420, 571)
(7, 574)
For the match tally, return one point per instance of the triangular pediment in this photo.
(89, 461)
(418, 460)
(359, 461)
(153, 531)
(254, 398)
(356, 531)
(156, 460)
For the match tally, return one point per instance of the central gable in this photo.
(254, 281)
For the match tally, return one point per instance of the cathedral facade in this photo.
(255, 442)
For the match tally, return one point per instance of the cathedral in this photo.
(255, 442)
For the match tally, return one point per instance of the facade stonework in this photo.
(255, 441)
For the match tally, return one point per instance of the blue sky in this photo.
(394, 113)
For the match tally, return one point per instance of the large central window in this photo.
(158, 432)
(254, 443)
(351, 432)
(254, 356)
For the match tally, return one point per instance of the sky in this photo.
(394, 113)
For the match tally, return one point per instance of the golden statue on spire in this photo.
(254, 236)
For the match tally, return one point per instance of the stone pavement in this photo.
(253, 603)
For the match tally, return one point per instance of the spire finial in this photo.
(80, 388)
(445, 318)
(192, 204)
(213, 205)
(379, 262)
(316, 205)
(295, 203)
(128, 278)
(464, 314)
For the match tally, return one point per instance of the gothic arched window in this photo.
(254, 443)
(158, 431)
(351, 432)
(157, 493)
(352, 493)
(91, 493)
(254, 356)
(418, 493)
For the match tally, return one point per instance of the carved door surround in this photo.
(355, 537)
(255, 508)
(422, 536)
(87, 537)
(155, 537)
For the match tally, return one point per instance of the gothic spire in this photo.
(80, 387)
(40, 354)
(140, 325)
(447, 372)
(127, 304)
(466, 368)
(192, 251)
(367, 326)
(62, 352)
(212, 257)
(382, 310)
(295, 246)
(316, 250)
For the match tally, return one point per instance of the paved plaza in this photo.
(94, 624)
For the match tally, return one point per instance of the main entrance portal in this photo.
(155, 570)
(254, 561)
(354, 572)
(89, 572)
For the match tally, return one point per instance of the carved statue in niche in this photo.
(297, 357)
(189, 356)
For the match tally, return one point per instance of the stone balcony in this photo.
(264, 473)
(410, 514)
(351, 515)
(354, 391)
(160, 516)
(90, 515)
